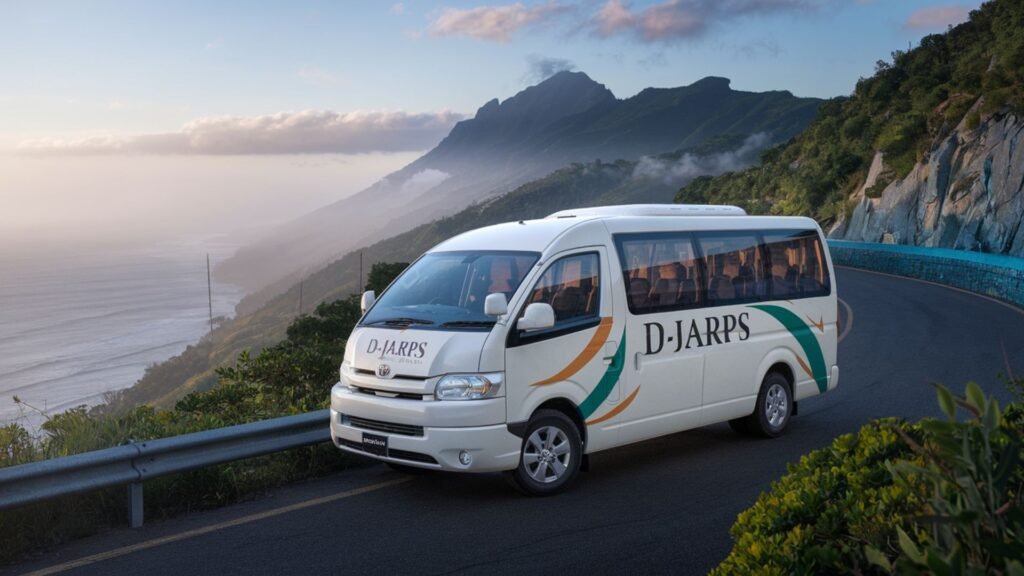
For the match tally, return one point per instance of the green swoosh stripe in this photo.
(802, 332)
(607, 383)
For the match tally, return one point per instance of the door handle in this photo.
(609, 353)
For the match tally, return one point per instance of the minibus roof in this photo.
(653, 210)
(591, 226)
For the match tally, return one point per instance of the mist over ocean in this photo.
(76, 325)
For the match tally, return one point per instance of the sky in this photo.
(157, 120)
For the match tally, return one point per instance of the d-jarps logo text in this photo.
(697, 333)
(396, 348)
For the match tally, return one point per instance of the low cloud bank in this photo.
(690, 166)
(423, 181)
(305, 132)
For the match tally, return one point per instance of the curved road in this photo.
(663, 506)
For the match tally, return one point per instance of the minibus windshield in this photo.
(446, 290)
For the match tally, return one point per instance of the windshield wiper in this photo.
(400, 321)
(468, 323)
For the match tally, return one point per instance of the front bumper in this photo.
(475, 426)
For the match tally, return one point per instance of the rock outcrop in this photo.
(967, 194)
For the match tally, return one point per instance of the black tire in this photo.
(543, 468)
(774, 400)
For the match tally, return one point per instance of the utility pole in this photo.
(361, 287)
(209, 290)
(300, 297)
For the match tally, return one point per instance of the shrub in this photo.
(940, 497)
(817, 518)
(974, 472)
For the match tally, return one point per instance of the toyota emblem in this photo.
(383, 371)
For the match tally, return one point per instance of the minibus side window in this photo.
(797, 264)
(736, 268)
(661, 272)
(572, 287)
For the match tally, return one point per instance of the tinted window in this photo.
(735, 266)
(677, 271)
(447, 289)
(797, 264)
(661, 272)
(571, 286)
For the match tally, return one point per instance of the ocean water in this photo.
(74, 326)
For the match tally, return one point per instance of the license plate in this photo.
(374, 444)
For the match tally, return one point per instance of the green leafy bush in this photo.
(974, 472)
(817, 518)
(939, 497)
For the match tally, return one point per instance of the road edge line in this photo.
(849, 321)
(1013, 307)
(147, 544)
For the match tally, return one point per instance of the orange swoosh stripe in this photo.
(588, 353)
(820, 324)
(804, 365)
(615, 411)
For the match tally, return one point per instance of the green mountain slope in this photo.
(911, 120)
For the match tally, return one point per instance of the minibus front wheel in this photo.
(550, 455)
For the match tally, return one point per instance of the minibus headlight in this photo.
(468, 386)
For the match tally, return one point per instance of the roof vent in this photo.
(653, 210)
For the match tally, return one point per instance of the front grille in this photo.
(392, 452)
(386, 394)
(378, 426)
(366, 372)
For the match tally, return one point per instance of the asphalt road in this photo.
(663, 506)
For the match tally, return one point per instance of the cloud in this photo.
(543, 67)
(423, 181)
(689, 166)
(674, 20)
(306, 132)
(398, 8)
(937, 17)
(494, 23)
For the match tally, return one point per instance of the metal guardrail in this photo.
(131, 464)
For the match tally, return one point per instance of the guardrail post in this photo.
(135, 507)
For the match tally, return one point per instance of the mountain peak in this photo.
(562, 93)
(569, 77)
(712, 83)
(531, 110)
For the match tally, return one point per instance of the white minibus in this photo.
(524, 347)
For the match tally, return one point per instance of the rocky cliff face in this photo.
(968, 194)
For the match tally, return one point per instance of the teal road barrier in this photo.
(994, 275)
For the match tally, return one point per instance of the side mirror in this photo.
(496, 304)
(369, 297)
(538, 316)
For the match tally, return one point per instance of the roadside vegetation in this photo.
(292, 377)
(936, 497)
(971, 72)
